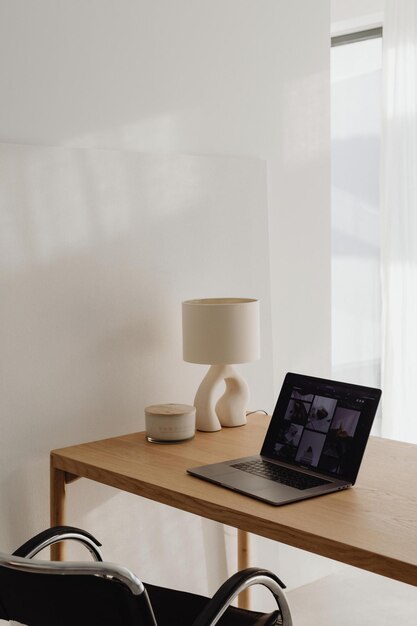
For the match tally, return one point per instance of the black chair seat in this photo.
(188, 606)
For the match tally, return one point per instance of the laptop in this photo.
(314, 444)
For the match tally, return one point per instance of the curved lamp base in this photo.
(230, 409)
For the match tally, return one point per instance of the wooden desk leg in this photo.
(243, 563)
(57, 511)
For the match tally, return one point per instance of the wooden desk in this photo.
(372, 526)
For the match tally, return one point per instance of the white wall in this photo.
(225, 77)
(353, 15)
(91, 305)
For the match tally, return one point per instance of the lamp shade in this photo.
(220, 330)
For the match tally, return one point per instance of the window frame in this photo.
(354, 37)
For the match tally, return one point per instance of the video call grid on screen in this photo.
(318, 431)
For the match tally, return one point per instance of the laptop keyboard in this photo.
(280, 474)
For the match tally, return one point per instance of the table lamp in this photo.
(221, 332)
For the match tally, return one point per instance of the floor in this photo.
(354, 598)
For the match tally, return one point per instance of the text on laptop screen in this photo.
(321, 425)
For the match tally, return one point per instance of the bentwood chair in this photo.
(97, 593)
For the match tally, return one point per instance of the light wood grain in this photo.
(243, 561)
(57, 497)
(372, 526)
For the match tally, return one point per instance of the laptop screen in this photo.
(322, 425)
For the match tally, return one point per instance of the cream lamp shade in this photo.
(221, 332)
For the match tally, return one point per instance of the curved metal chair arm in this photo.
(238, 583)
(59, 533)
(80, 568)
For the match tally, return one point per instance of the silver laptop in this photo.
(314, 444)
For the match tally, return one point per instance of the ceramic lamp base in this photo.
(230, 409)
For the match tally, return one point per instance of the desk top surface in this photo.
(372, 526)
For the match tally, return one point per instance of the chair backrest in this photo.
(44, 593)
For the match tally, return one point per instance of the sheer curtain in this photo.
(399, 221)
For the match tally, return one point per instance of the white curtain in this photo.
(399, 221)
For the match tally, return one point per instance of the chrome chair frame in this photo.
(212, 612)
(77, 568)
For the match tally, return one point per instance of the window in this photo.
(356, 62)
